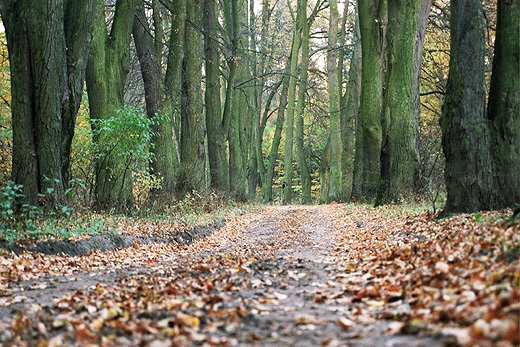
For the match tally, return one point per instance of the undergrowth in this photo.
(159, 215)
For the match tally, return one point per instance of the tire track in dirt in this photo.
(293, 300)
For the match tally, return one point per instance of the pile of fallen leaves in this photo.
(461, 273)
(458, 275)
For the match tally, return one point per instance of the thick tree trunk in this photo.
(78, 37)
(504, 106)
(192, 168)
(367, 165)
(158, 105)
(175, 59)
(235, 105)
(465, 139)
(217, 135)
(399, 157)
(47, 67)
(107, 68)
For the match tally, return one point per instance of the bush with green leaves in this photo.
(125, 140)
(16, 219)
(126, 135)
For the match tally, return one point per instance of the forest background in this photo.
(129, 105)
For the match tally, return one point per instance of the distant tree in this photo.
(48, 43)
(215, 123)
(336, 143)
(159, 104)
(235, 104)
(291, 105)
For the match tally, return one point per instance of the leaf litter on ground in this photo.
(454, 277)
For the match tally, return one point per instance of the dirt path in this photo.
(271, 279)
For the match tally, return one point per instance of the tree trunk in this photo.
(192, 168)
(107, 68)
(305, 175)
(349, 103)
(235, 105)
(465, 138)
(254, 107)
(158, 105)
(504, 106)
(291, 103)
(367, 165)
(47, 67)
(175, 59)
(335, 137)
(399, 156)
(262, 172)
(78, 37)
(267, 183)
(217, 135)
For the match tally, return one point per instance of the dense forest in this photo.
(113, 104)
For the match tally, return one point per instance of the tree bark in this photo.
(291, 105)
(267, 182)
(504, 106)
(175, 59)
(107, 69)
(399, 156)
(465, 138)
(235, 105)
(158, 104)
(335, 136)
(217, 135)
(305, 175)
(367, 165)
(47, 69)
(192, 168)
(349, 103)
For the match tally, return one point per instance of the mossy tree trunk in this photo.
(260, 57)
(158, 104)
(267, 181)
(465, 138)
(291, 106)
(335, 136)
(174, 66)
(193, 157)
(47, 63)
(504, 106)
(217, 134)
(399, 156)
(367, 165)
(107, 69)
(305, 175)
(349, 103)
(235, 105)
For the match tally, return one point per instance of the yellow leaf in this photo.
(188, 320)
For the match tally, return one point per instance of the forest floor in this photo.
(329, 275)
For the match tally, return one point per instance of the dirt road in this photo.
(282, 277)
